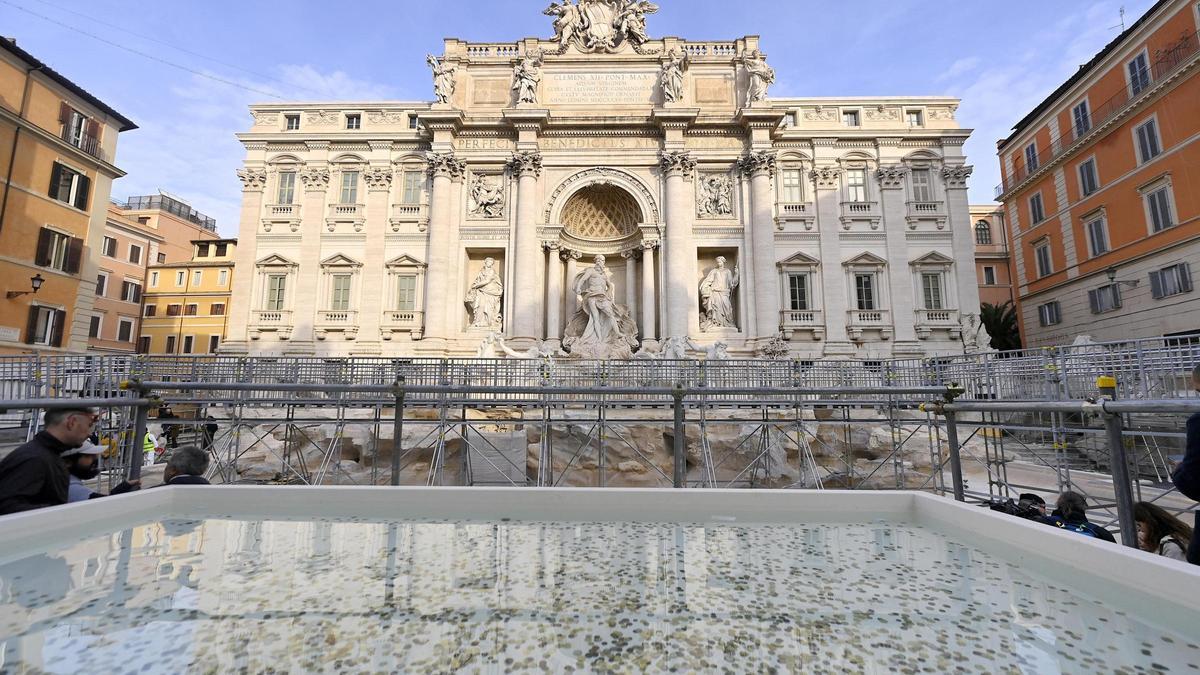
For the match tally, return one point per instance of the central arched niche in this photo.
(601, 212)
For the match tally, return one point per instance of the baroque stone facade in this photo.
(594, 179)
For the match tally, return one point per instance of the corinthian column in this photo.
(681, 291)
(760, 167)
(444, 168)
(554, 293)
(254, 181)
(527, 250)
(649, 311)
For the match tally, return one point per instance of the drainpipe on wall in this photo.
(16, 140)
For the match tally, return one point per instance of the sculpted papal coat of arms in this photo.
(602, 26)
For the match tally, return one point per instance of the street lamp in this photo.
(1112, 278)
(35, 282)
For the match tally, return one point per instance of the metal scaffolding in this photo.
(1018, 421)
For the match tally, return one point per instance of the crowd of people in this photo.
(53, 467)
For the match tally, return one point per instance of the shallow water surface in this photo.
(220, 595)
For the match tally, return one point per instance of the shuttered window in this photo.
(59, 251)
(45, 326)
(1097, 233)
(276, 290)
(931, 290)
(1139, 74)
(339, 300)
(1105, 299)
(1148, 144)
(864, 289)
(1050, 314)
(1158, 203)
(1089, 179)
(1082, 117)
(406, 293)
(69, 186)
(798, 292)
(1173, 280)
(922, 185)
(413, 182)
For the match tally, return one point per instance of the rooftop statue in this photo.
(527, 76)
(443, 78)
(600, 25)
(762, 76)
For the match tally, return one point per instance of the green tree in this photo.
(1001, 324)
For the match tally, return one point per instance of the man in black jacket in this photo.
(186, 466)
(1187, 475)
(35, 475)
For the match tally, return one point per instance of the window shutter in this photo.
(1185, 277)
(93, 129)
(42, 258)
(60, 319)
(1116, 296)
(1094, 299)
(31, 325)
(137, 293)
(81, 194)
(55, 177)
(64, 112)
(1156, 285)
(74, 255)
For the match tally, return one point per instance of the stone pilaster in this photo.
(372, 292)
(237, 339)
(761, 167)
(895, 211)
(827, 183)
(315, 180)
(962, 232)
(444, 169)
(683, 312)
(527, 250)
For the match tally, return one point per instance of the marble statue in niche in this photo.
(484, 297)
(716, 292)
(527, 75)
(762, 76)
(600, 329)
(716, 195)
(487, 197)
(443, 78)
(671, 77)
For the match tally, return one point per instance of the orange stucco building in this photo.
(57, 147)
(992, 255)
(1102, 190)
(139, 233)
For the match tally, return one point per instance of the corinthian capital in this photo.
(445, 165)
(891, 177)
(676, 163)
(252, 179)
(315, 178)
(526, 163)
(378, 178)
(956, 176)
(758, 162)
(826, 177)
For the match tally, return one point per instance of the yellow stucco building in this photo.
(186, 304)
(57, 144)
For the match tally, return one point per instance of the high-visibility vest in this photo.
(148, 443)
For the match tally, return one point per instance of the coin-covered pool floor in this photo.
(227, 595)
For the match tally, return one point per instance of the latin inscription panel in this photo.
(593, 88)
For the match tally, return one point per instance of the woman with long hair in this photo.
(1160, 532)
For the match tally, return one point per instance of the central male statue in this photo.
(601, 329)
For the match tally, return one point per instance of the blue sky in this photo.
(1001, 58)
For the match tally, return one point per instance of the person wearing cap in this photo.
(36, 475)
(83, 463)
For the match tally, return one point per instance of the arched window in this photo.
(983, 232)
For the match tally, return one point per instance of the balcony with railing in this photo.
(88, 144)
(802, 212)
(403, 321)
(792, 321)
(352, 214)
(1166, 63)
(403, 214)
(929, 320)
(858, 321)
(336, 321)
(861, 211)
(282, 215)
(277, 321)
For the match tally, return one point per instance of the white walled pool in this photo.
(364, 579)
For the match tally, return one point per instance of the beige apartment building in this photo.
(139, 232)
(186, 304)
